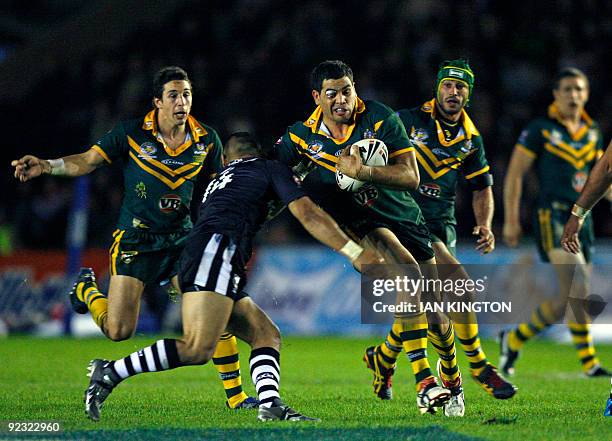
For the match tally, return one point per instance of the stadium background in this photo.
(69, 70)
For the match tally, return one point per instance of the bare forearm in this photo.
(483, 206)
(322, 227)
(398, 176)
(598, 183)
(513, 189)
(74, 165)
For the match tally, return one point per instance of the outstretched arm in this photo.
(30, 167)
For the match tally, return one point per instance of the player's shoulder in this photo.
(412, 113)
(301, 128)
(202, 129)
(377, 110)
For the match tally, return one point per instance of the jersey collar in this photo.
(553, 113)
(469, 129)
(196, 129)
(316, 120)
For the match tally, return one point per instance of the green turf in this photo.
(44, 379)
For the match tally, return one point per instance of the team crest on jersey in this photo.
(369, 134)
(430, 190)
(578, 180)
(366, 196)
(555, 136)
(147, 150)
(418, 135)
(200, 152)
(170, 203)
(315, 147)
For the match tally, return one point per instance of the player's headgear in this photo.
(458, 70)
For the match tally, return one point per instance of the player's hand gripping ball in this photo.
(373, 153)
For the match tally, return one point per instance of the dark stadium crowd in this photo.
(250, 61)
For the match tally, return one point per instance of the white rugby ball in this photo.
(373, 153)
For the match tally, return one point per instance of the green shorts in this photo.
(148, 257)
(414, 237)
(444, 232)
(549, 223)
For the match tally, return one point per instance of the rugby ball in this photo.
(374, 153)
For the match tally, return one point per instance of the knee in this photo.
(119, 333)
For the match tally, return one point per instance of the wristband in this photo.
(351, 250)
(580, 212)
(58, 167)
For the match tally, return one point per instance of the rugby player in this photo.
(382, 214)
(448, 146)
(212, 277)
(563, 146)
(161, 155)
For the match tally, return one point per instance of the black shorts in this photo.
(213, 262)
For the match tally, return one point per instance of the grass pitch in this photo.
(44, 379)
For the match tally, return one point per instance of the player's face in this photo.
(571, 95)
(453, 96)
(337, 99)
(175, 104)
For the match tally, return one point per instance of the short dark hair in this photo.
(329, 70)
(245, 144)
(568, 72)
(165, 74)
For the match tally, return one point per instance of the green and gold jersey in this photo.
(159, 181)
(563, 159)
(442, 157)
(310, 141)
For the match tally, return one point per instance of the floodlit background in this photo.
(69, 70)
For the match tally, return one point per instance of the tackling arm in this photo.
(325, 229)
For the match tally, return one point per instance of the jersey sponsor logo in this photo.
(366, 196)
(593, 135)
(314, 148)
(439, 152)
(578, 180)
(169, 203)
(430, 190)
(199, 147)
(172, 162)
(147, 150)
